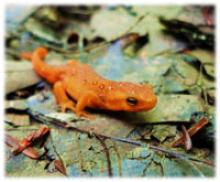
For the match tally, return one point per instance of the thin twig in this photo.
(193, 130)
(41, 118)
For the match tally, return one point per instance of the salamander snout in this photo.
(151, 101)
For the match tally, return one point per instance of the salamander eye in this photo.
(132, 101)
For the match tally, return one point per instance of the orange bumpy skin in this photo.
(88, 89)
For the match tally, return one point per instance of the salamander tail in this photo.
(26, 56)
(41, 51)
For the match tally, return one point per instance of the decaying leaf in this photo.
(42, 31)
(18, 119)
(167, 109)
(17, 71)
(17, 14)
(189, 33)
(161, 132)
(20, 104)
(22, 166)
(16, 75)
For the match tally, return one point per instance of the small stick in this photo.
(191, 131)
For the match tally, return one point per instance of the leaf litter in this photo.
(115, 144)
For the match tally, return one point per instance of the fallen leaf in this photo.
(161, 132)
(30, 139)
(167, 109)
(17, 14)
(18, 119)
(14, 143)
(42, 31)
(16, 75)
(59, 166)
(20, 104)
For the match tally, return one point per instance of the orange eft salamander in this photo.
(88, 89)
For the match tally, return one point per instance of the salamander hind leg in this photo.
(61, 97)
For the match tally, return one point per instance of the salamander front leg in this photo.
(62, 99)
(84, 101)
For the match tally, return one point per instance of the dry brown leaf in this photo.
(29, 152)
(59, 166)
(30, 139)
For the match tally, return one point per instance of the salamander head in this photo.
(132, 97)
